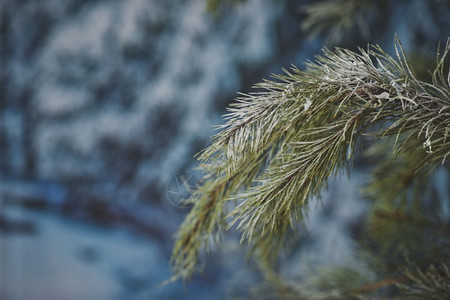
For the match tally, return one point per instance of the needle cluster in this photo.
(281, 144)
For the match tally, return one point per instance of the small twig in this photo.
(374, 286)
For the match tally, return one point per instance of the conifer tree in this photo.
(284, 141)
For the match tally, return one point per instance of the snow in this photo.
(77, 261)
(66, 147)
(84, 35)
(54, 100)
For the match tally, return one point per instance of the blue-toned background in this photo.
(103, 105)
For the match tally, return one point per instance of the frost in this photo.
(398, 87)
(289, 91)
(427, 144)
(383, 95)
(307, 104)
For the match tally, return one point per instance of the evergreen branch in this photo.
(397, 178)
(335, 19)
(374, 286)
(332, 284)
(281, 144)
(434, 283)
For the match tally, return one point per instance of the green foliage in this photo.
(341, 22)
(335, 19)
(283, 142)
(434, 283)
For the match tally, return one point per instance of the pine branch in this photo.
(397, 178)
(335, 19)
(281, 144)
(434, 283)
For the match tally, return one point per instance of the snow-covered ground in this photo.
(47, 256)
(58, 258)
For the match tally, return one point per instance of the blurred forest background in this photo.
(104, 103)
